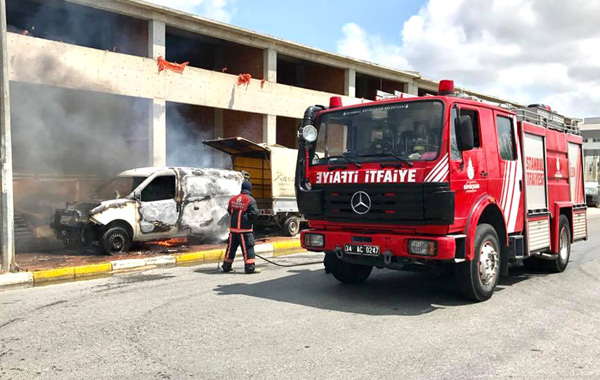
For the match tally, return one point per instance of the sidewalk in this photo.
(39, 268)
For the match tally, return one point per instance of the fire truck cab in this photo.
(440, 180)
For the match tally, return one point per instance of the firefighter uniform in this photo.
(243, 211)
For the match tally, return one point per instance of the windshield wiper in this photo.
(404, 160)
(348, 158)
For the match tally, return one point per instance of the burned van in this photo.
(150, 204)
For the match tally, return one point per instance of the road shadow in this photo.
(384, 293)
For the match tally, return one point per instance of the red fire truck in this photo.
(438, 180)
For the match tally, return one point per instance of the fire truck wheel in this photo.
(116, 240)
(345, 272)
(291, 226)
(564, 250)
(477, 279)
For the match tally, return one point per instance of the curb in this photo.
(28, 279)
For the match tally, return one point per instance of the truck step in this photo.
(516, 247)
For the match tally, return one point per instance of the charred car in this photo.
(149, 204)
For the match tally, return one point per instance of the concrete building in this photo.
(590, 130)
(88, 101)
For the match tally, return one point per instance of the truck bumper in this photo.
(447, 247)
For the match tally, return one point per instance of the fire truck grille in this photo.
(399, 204)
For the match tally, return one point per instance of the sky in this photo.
(527, 51)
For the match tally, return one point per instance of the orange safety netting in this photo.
(163, 64)
(244, 79)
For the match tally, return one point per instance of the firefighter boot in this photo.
(226, 267)
(250, 268)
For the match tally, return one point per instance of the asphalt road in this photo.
(193, 323)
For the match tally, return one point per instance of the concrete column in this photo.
(350, 82)
(270, 65)
(7, 235)
(157, 133)
(270, 129)
(411, 88)
(157, 39)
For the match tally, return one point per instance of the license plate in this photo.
(364, 250)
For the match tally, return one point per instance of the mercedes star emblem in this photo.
(360, 202)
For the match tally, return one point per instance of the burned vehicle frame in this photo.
(149, 204)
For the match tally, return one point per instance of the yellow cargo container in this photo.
(271, 170)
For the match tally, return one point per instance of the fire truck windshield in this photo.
(409, 130)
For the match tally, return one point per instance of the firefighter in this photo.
(243, 211)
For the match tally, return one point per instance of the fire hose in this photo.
(284, 265)
(281, 265)
(288, 265)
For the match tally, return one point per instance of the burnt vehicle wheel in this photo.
(291, 226)
(477, 279)
(116, 240)
(345, 272)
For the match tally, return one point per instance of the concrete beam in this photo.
(270, 129)
(270, 65)
(157, 133)
(83, 68)
(350, 82)
(157, 39)
(216, 29)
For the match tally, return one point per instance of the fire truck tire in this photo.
(291, 226)
(115, 240)
(477, 279)
(345, 272)
(564, 251)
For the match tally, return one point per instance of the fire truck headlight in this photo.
(314, 240)
(422, 247)
(309, 133)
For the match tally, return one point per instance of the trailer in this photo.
(271, 170)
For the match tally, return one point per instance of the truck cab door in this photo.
(468, 169)
(158, 208)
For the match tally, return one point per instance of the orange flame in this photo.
(174, 242)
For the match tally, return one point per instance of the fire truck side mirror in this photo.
(464, 133)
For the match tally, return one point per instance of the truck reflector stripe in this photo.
(442, 175)
(504, 185)
(433, 171)
(507, 189)
(516, 194)
(437, 169)
(510, 191)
